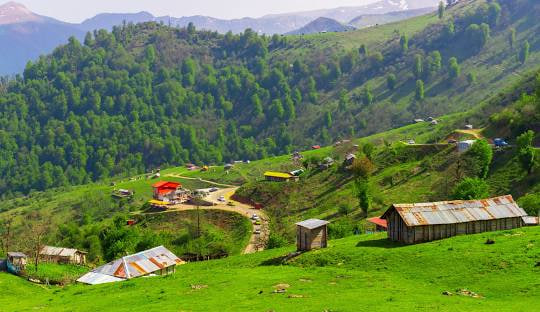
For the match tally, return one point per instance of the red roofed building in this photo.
(380, 224)
(165, 191)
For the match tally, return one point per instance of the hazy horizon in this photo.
(75, 11)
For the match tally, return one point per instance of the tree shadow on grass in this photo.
(281, 260)
(380, 243)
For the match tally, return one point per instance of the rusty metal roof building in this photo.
(416, 223)
(459, 211)
(59, 251)
(136, 265)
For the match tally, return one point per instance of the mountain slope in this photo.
(165, 96)
(108, 20)
(322, 24)
(345, 14)
(25, 35)
(12, 12)
(368, 20)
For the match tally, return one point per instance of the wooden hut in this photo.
(311, 234)
(62, 255)
(416, 223)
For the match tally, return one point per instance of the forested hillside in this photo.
(149, 95)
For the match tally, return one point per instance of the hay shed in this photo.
(311, 234)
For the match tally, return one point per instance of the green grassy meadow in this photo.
(358, 273)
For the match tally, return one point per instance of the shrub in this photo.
(340, 229)
(471, 188)
(276, 241)
(531, 204)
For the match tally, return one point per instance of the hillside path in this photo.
(473, 132)
(198, 179)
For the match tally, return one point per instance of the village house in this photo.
(349, 160)
(326, 163)
(170, 192)
(416, 223)
(62, 255)
(464, 146)
(296, 156)
(297, 172)
(228, 166)
(311, 234)
(155, 261)
(122, 193)
(279, 176)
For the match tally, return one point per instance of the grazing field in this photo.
(357, 273)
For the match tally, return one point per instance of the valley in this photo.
(389, 168)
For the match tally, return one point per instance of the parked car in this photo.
(257, 232)
(452, 141)
(221, 198)
(230, 204)
(258, 222)
(500, 142)
(214, 189)
(255, 217)
(411, 142)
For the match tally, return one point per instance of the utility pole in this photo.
(198, 221)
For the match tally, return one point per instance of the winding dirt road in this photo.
(257, 242)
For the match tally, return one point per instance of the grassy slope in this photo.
(495, 67)
(356, 273)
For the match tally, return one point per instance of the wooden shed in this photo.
(62, 255)
(311, 234)
(279, 176)
(417, 223)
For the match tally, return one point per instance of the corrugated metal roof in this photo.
(15, 254)
(459, 211)
(531, 220)
(59, 251)
(312, 223)
(92, 278)
(379, 222)
(138, 264)
(278, 174)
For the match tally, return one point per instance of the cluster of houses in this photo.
(16, 262)
(152, 262)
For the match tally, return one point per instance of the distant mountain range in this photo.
(322, 24)
(24, 35)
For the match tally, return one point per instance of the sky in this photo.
(77, 10)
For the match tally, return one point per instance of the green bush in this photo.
(340, 229)
(531, 204)
(471, 188)
(276, 241)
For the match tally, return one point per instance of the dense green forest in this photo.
(148, 95)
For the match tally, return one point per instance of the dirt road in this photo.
(199, 179)
(474, 132)
(257, 241)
